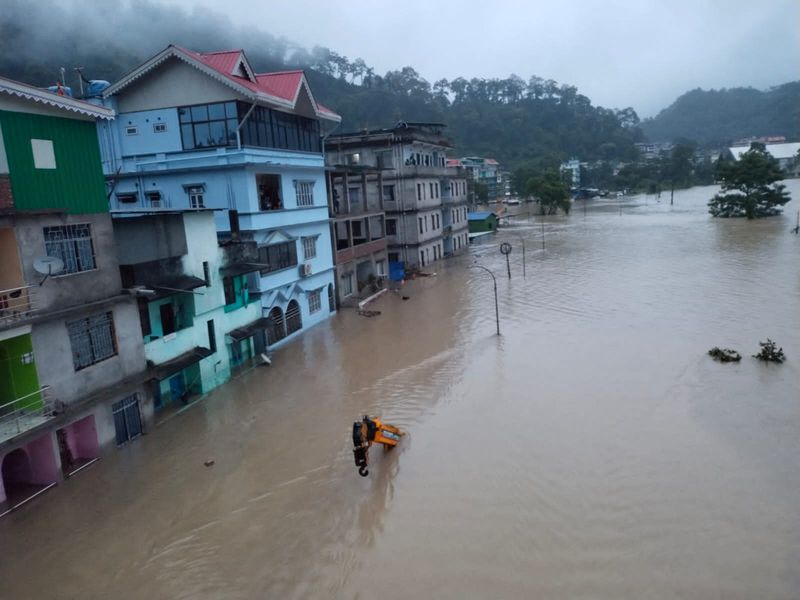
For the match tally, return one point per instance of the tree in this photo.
(749, 186)
(551, 191)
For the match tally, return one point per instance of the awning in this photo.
(239, 269)
(242, 333)
(179, 363)
(176, 285)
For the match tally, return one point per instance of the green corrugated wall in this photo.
(75, 185)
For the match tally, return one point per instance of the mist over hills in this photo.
(715, 117)
(515, 120)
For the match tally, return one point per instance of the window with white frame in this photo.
(305, 193)
(92, 340)
(196, 199)
(309, 247)
(380, 268)
(314, 301)
(72, 244)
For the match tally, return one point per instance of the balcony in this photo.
(17, 305)
(25, 413)
(359, 249)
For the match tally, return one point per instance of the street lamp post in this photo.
(496, 309)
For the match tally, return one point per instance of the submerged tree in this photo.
(551, 191)
(749, 186)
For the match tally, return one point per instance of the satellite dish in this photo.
(48, 265)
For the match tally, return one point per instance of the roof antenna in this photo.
(79, 71)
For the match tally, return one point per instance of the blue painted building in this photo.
(204, 131)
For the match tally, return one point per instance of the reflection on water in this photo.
(593, 450)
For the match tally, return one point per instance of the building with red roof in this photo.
(204, 130)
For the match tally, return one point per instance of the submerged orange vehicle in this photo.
(368, 431)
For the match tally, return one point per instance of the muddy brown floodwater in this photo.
(593, 450)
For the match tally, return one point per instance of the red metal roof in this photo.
(282, 85)
(223, 61)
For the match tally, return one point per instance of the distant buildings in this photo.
(785, 154)
(423, 199)
(485, 171)
(72, 365)
(204, 130)
(572, 168)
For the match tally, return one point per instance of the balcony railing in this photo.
(17, 304)
(27, 412)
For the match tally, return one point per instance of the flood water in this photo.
(593, 450)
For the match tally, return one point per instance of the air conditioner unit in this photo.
(305, 269)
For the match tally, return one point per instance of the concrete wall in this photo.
(146, 141)
(76, 288)
(53, 352)
(147, 238)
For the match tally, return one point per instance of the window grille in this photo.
(72, 244)
(309, 247)
(276, 328)
(127, 419)
(294, 321)
(305, 193)
(314, 301)
(92, 340)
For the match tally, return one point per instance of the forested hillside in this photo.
(716, 117)
(512, 119)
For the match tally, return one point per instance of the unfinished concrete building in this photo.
(424, 200)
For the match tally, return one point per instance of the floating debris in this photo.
(725, 354)
(369, 313)
(208, 463)
(770, 352)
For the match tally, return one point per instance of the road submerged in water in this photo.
(591, 450)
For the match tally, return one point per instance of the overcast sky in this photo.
(640, 53)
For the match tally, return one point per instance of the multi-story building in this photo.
(572, 169)
(72, 364)
(358, 221)
(424, 200)
(200, 131)
(198, 321)
(485, 171)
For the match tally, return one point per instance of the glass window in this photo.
(309, 247)
(217, 133)
(199, 113)
(277, 256)
(314, 301)
(216, 111)
(202, 135)
(208, 125)
(391, 226)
